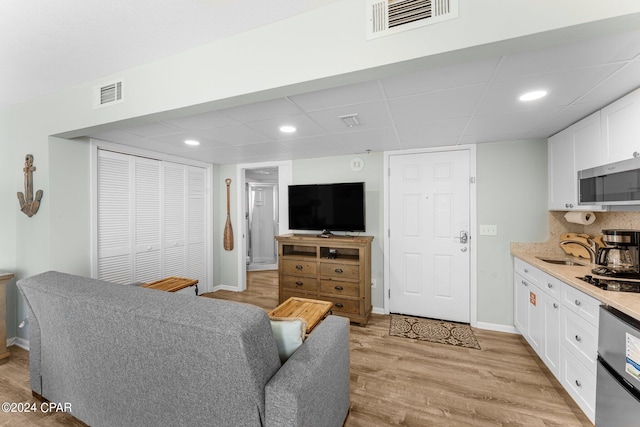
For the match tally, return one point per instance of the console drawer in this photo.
(342, 271)
(293, 267)
(285, 294)
(343, 306)
(338, 288)
(299, 284)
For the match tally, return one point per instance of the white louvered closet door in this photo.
(147, 194)
(196, 225)
(115, 262)
(152, 219)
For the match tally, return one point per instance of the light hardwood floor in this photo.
(396, 381)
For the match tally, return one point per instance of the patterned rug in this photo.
(431, 330)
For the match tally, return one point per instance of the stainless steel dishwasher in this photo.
(618, 386)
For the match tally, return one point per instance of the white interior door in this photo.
(429, 255)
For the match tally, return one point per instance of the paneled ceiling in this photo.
(474, 102)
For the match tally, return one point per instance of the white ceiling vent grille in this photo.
(386, 17)
(108, 94)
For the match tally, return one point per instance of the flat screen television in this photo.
(327, 207)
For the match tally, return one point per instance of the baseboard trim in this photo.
(20, 342)
(225, 288)
(377, 310)
(497, 327)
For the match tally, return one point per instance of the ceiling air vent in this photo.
(108, 94)
(386, 17)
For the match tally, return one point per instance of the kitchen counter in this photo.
(626, 302)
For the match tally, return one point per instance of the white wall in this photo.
(512, 194)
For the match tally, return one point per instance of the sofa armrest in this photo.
(312, 387)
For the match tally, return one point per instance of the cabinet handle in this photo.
(525, 283)
(578, 383)
(338, 304)
(555, 305)
(338, 270)
(339, 288)
(299, 283)
(298, 267)
(578, 338)
(566, 205)
(578, 302)
(526, 270)
(549, 285)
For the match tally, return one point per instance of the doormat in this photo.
(438, 331)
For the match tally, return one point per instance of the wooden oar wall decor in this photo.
(228, 230)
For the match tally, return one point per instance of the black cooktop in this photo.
(612, 284)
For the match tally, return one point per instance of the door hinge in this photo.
(388, 232)
(472, 180)
(389, 291)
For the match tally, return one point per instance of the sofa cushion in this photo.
(289, 334)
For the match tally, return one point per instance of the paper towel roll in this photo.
(584, 218)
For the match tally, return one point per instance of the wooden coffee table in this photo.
(172, 284)
(311, 310)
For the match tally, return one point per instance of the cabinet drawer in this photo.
(343, 306)
(580, 338)
(579, 381)
(294, 267)
(299, 284)
(581, 304)
(342, 271)
(528, 272)
(551, 286)
(338, 288)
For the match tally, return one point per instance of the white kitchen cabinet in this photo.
(550, 354)
(561, 324)
(621, 129)
(568, 152)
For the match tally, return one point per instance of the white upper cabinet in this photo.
(573, 149)
(621, 129)
(587, 142)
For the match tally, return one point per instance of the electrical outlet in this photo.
(488, 230)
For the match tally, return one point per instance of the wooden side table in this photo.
(4, 278)
(172, 284)
(311, 310)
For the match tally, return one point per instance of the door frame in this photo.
(285, 178)
(473, 259)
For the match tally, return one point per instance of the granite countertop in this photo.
(626, 302)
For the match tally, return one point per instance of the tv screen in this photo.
(330, 207)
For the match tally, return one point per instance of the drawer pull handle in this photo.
(298, 267)
(339, 288)
(339, 305)
(578, 383)
(525, 283)
(578, 302)
(578, 338)
(526, 270)
(338, 270)
(549, 285)
(299, 283)
(555, 305)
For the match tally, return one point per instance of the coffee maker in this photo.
(619, 258)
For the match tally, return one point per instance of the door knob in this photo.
(463, 237)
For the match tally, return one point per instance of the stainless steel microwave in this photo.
(613, 184)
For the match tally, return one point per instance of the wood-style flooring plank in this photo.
(396, 381)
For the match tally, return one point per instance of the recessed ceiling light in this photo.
(533, 95)
(287, 129)
(191, 142)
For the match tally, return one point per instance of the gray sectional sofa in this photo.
(124, 355)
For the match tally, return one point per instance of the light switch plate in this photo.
(488, 230)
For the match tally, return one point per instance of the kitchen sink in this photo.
(560, 261)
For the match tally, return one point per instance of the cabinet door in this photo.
(535, 312)
(551, 334)
(521, 302)
(587, 142)
(562, 182)
(621, 128)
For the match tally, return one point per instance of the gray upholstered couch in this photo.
(124, 355)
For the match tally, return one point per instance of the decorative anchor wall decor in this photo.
(28, 204)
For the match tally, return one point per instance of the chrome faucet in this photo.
(592, 248)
